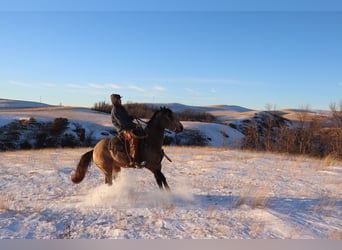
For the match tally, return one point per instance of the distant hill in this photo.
(31, 125)
(177, 107)
(15, 104)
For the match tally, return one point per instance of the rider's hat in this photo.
(115, 97)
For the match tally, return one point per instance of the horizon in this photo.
(20, 105)
(286, 59)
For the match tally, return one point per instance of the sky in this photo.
(251, 58)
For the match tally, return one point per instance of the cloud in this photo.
(113, 86)
(191, 91)
(96, 86)
(49, 85)
(76, 86)
(200, 80)
(159, 88)
(104, 86)
(33, 85)
(134, 87)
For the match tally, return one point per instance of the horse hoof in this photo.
(141, 165)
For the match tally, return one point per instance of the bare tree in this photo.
(336, 132)
(336, 114)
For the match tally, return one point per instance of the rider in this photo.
(124, 124)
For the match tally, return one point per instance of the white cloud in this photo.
(94, 86)
(33, 85)
(137, 88)
(113, 86)
(191, 91)
(159, 88)
(76, 86)
(97, 86)
(49, 85)
(200, 80)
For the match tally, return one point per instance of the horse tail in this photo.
(82, 167)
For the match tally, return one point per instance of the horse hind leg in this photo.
(116, 171)
(108, 179)
(161, 180)
(107, 173)
(112, 175)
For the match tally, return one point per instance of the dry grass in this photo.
(242, 200)
(334, 234)
(328, 162)
(260, 199)
(6, 201)
(326, 206)
(211, 211)
(257, 229)
(4, 204)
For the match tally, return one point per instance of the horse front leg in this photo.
(161, 180)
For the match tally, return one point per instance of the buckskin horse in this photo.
(110, 154)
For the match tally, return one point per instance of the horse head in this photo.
(169, 120)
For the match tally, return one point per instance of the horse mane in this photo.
(161, 109)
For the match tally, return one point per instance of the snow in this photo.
(218, 135)
(98, 124)
(217, 192)
(5, 103)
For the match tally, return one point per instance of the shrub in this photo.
(140, 110)
(70, 141)
(192, 115)
(191, 138)
(40, 139)
(307, 137)
(25, 145)
(102, 107)
(59, 125)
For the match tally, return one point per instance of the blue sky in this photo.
(289, 59)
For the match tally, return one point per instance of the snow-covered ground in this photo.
(216, 194)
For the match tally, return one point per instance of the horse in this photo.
(109, 154)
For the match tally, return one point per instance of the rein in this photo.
(139, 121)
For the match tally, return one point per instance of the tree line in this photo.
(320, 136)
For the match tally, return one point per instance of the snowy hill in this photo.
(14, 104)
(97, 126)
(177, 107)
(93, 126)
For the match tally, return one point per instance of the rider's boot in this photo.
(135, 153)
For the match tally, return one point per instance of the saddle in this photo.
(127, 142)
